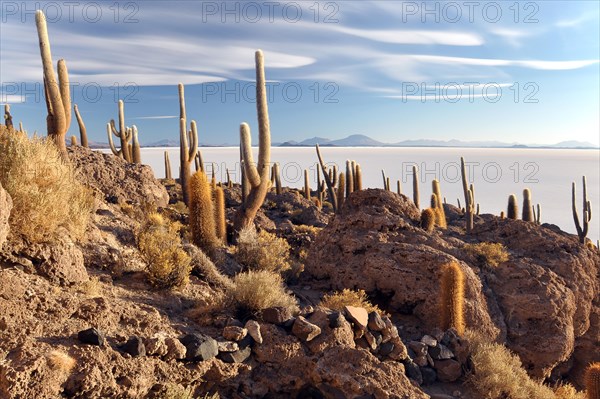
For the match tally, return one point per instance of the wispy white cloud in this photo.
(580, 20)
(156, 117)
(532, 64)
(443, 37)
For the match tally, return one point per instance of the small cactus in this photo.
(73, 141)
(415, 186)
(136, 153)
(82, 129)
(592, 381)
(357, 178)
(340, 190)
(452, 298)
(306, 185)
(428, 219)
(512, 211)
(502, 215)
(527, 214)
(435, 185)
(328, 181)
(277, 175)
(350, 179)
(587, 212)
(221, 224)
(168, 174)
(8, 122)
(202, 215)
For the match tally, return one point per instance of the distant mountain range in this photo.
(360, 140)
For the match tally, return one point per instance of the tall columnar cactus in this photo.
(469, 209)
(82, 129)
(592, 381)
(428, 219)
(202, 215)
(199, 162)
(306, 185)
(136, 152)
(416, 186)
(168, 174)
(258, 175)
(124, 134)
(188, 146)
(587, 212)
(512, 211)
(465, 183)
(357, 185)
(328, 180)
(276, 178)
(435, 185)
(349, 179)
(527, 214)
(452, 298)
(398, 187)
(538, 215)
(385, 181)
(58, 96)
(8, 122)
(221, 224)
(341, 189)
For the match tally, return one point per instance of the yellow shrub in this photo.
(61, 361)
(45, 192)
(498, 374)
(261, 289)
(346, 297)
(169, 265)
(262, 251)
(493, 254)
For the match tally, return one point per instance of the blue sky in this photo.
(523, 72)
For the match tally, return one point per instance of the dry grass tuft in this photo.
(262, 251)
(491, 254)
(498, 374)
(346, 297)
(206, 268)
(257, 290)
(45, 192)
(169, 266)
(60, 361)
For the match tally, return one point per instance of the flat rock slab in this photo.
(359, 316)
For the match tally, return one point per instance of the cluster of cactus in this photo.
(435, 214)
(207, 213)
(257, 175)
(130, 145)
(452, 298)
(57, 94)
(528, 214)
(339, 186)
(276, 178)
(587, 212)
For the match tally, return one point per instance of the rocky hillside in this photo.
(81, 319)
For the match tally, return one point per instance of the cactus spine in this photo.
(428, 219)
(527, 214)
(168, 174)
(58, 97)
(187, 154)
(306, 185)
(202, 215)
(415, 186)
(592, 381)
(258, 175)
(512, 211)
(587, 212)
(221, 224)
(82, 129)
(435, 185)
(452, 298)
(136, 153)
